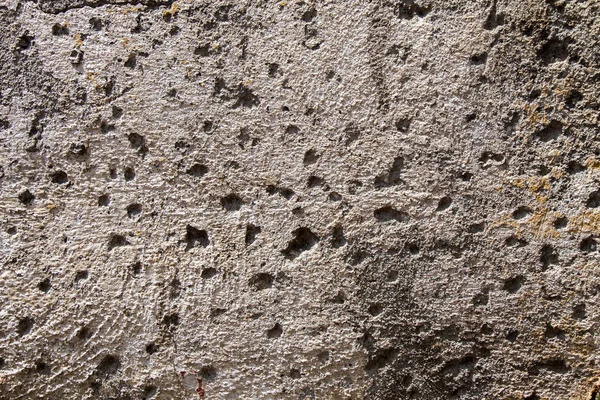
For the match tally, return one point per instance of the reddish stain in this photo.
(199, 389)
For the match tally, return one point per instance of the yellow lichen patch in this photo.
(553, 154)
(519, 182)
(563, 88)
(534, 183)
(538, 183)
(92, 77)
(540, 223)
(78, 41)
(130, 9)
(533, 116)
(557, 173)
(172, 11)
(592, 164)
(585, 221)
(591, 391)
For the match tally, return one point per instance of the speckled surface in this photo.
(299, 200)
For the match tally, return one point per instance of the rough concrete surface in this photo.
(378, 199)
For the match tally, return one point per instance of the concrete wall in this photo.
(299, 199)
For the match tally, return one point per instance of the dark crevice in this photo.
(60, 6)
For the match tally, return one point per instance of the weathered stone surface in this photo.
(296, 199)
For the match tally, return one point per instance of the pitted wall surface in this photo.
(299, 199)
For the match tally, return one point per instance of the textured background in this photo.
(299, 199)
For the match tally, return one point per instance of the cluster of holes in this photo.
(44, 285)
(311, 40)
(554, 50)
(286, 193)
(251, 232)
(81, 275)
(195, 237)
(108, 366)
(514, 241)
(513, 284)
(78, 149)
(103, 200)
(588, 245)
(116, 240)
(553, 332)
(208, 273)
(334, 196)
(129, 174)
(392, 177)
(261, 281)
(24, 326)
(548, 256)
(315, 181)
(388, 213)
(310, 157)
(84, 333)
(59, 177)
(137, 142)
(232, 202)
(550, 132)
(444, 203)
(304, 239)
(275, 332)
(26, 197)
(171, 321)
(197, 170)
(133, 210)
(408, 9)
(337, 237)
(489, 159)
(522, 212)
(241, 94)
(482, 298)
